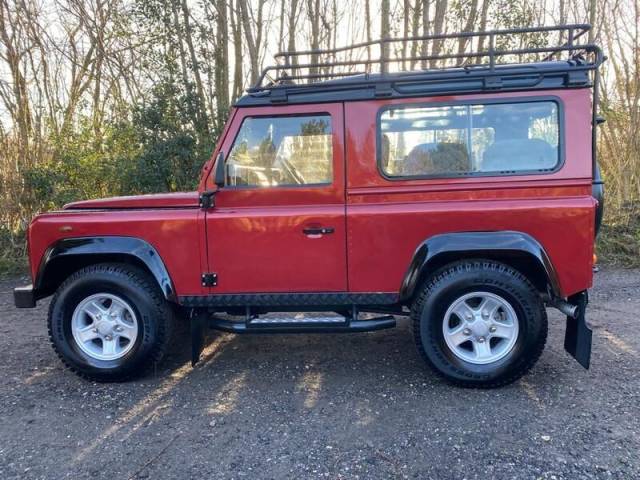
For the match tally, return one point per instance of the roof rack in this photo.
(496, 58)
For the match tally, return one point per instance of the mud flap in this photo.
(577, 338)
(198, 325)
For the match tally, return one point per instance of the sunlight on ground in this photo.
(38, 374)
(150, 407)
(228, 395)
(531, 393)
(311, 383)
(617, 342)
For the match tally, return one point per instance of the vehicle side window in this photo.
(455, 140)
(280, 151)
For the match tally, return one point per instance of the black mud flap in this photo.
(198, 324)
(577, 338)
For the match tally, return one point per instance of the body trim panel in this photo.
(288, 299)
(475, 242)
(106, 245)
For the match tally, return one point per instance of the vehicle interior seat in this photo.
(519, 154)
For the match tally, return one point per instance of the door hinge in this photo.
(209, 279)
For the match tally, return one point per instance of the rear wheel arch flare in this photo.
(69, 255)
(516, 249)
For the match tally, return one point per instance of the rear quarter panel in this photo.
(388, 219)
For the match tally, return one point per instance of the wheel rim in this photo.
(480, 327)
(104, 326)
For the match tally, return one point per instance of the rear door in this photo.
(279, 223)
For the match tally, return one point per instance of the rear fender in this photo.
(516, 249)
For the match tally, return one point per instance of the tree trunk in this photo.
(313, 12)
(406, 7)
(593, 8)
(483, 27)
(415, 30)
(367, 26)
(183, 53)
(252, 45)
(236, 29)
(221, 75)
(424, 51)
(291, 46)
(438, 28)
(468, 27)
(385, 28)
(202, 107)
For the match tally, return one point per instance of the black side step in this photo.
(255, 324)
(324, 324)
(310, 325)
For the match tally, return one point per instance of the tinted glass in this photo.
(276, 151)
(467, 139)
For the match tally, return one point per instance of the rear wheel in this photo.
(479, 323)
(109, 322)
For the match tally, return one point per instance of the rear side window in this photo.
(282, 151)
(453, 140)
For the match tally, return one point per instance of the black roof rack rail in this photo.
(394, 69)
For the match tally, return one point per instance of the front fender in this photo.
(79, 252)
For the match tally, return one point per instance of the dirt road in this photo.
(333, 406)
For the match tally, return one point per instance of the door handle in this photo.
(318, 230)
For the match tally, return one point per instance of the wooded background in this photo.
(113, 97)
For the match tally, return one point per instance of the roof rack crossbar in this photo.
(291, 65)
(522, 51)
(584, 28)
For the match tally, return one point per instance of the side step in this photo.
(318, 324)
(255, 324)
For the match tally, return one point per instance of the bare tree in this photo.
(385, 27)
(468, 27)
(236, 29)
(313, 14)
(367, 20)
(438, 28)
(291, 34)
(426, 6)
(415, 29)
(253, 35)
(222, 62)
(483, 26)
(406, 9)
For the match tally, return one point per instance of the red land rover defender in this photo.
(466, 197)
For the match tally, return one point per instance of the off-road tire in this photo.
(454, 280)
(141, 292)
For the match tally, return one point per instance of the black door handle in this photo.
(318, 230)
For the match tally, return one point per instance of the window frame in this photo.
(286, 186)
(488, 101)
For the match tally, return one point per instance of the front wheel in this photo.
(479, 323)
(109, 322)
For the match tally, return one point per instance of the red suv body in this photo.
(392, 194)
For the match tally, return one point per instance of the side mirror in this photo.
(220, 173)
(206, 197)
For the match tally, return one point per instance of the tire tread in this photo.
(135, 275)
(433, 282)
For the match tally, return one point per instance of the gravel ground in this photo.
(332, 406)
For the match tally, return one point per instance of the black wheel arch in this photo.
(517, 249)
(69, 255)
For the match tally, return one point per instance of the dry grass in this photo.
(13, 258)
(619, 239)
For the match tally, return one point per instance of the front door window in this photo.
(282, 151)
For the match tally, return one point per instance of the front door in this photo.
(278, 224)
